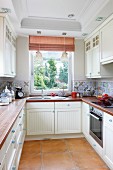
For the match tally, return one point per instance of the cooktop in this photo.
(104, 104)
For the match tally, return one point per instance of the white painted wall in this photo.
(78, 69)
(22, 67)
(23, 60)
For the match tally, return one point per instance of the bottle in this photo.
(8, 94)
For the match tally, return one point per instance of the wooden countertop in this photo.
(8, 114)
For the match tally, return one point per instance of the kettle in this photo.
(19, 93)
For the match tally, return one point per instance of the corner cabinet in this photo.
(67, 117)
(7, 48)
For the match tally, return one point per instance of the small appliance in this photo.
(19, 93)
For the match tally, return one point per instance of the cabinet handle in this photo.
(110, 120)
(13, 141)
(14, 168)
(13, 131)
(20, 143)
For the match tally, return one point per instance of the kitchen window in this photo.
(51, 74)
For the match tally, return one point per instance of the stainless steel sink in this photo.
(46, 98)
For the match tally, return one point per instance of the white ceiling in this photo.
(51, 16)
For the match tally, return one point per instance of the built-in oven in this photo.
(96, 125)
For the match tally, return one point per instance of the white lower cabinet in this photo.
(67, 117)
(108, 140)
(40, 121)
(53, 118)
(11, 150)
(85, 119)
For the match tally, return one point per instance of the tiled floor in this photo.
(63, 154)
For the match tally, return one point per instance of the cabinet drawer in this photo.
(11, 153)
(2, 153)
(108, 119)
(41, 105)
(67, 105)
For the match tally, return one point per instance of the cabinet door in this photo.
(13, 61)
(68, 121)
(106, 42)
(85, 119)
(88, 63)
(40, 121)
(95, 62)
(108, 145)
(7, 58)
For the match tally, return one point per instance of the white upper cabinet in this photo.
(107, 43)
(93, 53)
(7, 49)
(92, 57)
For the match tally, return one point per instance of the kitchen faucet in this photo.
(42, 93)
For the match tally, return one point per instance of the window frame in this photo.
(47, 92)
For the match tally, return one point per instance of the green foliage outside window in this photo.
(47, 76)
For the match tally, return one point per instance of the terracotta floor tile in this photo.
(88, 160)
(31, 147)
(32, 162)
(80, 147)
(67, 154)
(53, 146)
(76, 141)
(58, 161)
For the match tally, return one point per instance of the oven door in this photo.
(96, 128)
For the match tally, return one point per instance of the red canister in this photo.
(73, 94)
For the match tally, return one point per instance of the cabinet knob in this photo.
(110, 120)
(20, 116)
(68, 104)
(14, 168)
(20, 143)
(94, 145)
(20, 124)
(13, 141)
(13, 131)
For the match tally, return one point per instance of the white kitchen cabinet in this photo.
(40, 118)
(93, 50)
(11, 150)
(67, 117)
(85, 119)
(106, 43)
(108, 140)
(7, 48)
(92, 57)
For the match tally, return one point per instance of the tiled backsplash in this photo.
(14, 83)
(104, 87)
(99, 87)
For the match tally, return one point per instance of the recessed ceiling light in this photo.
(71, 15)
(38, 32)
(99, 18)
(64, 33)
(5, 10)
